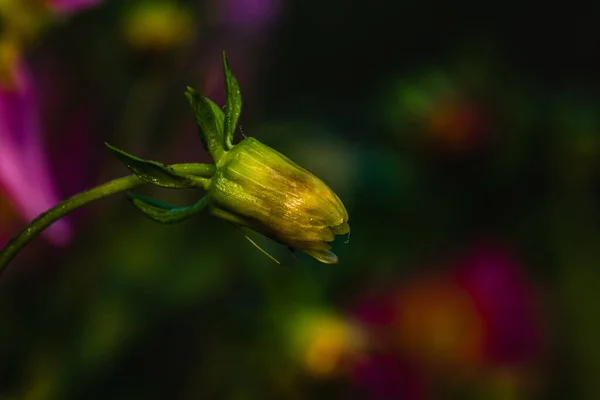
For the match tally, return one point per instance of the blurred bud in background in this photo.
(157, 25)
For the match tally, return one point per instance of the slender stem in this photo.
(16, 244)
(60, 210)
(201, 170)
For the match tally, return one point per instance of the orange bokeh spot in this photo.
(454, 124)
(439, 327)
(325, 343)
(9, 58)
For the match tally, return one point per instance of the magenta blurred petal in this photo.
(24, 171)
(506, 300)
(72, 6)
(385, 377)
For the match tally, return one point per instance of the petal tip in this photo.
(324, 256)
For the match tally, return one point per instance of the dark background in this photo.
(452, 132)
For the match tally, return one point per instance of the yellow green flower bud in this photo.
(259, 188)
(251, 185)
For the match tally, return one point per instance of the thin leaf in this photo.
(233, 105)
(165, 213)
(262, 250)
(246, 233)
(153, 172)
(210, 119)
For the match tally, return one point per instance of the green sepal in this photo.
(154, 172)
(233, 105)
(165, 213)
(210, 119)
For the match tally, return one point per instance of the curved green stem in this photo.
(60, 210)
(16, 244)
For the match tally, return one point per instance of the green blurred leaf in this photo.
(210, 119)
(165, 213)
(154, 172)
(233, 105)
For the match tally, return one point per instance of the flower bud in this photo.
(261, 189)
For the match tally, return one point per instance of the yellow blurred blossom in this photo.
(323, 342)
(157, 25)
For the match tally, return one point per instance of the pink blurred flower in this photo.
(24, 171)
(454, 325)
(506, 301)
